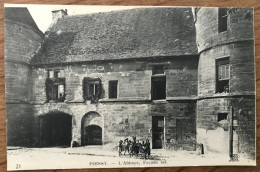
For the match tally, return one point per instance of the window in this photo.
(55, 86)
(223, 121)
(113, 89)
(92, 89)
(161, 123)
(55, 73)
(158, 83)
(222, 19)
(223, 75)
(158, 69)
(222, 116)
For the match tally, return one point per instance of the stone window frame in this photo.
(109, 89)
(55, 80)
(157, 76)
(155, 70)
(85, 88)
(223, 61)
(222, 20)
(225, 122)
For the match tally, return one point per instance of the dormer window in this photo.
(55, 86)
(92, 89)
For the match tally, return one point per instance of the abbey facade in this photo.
(180, 77)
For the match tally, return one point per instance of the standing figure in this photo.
(147, 150)
(131, 151)
(125, 146)
(136, 148)
(120, 147)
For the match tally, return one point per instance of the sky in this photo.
(42, 14)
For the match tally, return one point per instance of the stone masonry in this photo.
(123, 46)
(236, 43)
(22, 38)
(131, 113)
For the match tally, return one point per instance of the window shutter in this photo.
(96, 82)
(99, 87)
(85, 88)
(48, 87)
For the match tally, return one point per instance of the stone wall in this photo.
(19, 125)
(214, 137)
(178, 111)
(131, 113)
(134, 78)
(21, 40)
(241, 60)
(123, 120)
(237, 44)
(239, 27)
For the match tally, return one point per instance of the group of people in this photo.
(134, 147)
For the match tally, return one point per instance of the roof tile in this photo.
(134, 33)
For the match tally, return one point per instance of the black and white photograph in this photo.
(129, 86)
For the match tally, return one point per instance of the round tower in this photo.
(226, 80)
(22, 38)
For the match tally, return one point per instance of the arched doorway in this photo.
(93, 135)
(91, 129)
(55, 129)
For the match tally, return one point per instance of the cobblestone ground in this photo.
(101, 157)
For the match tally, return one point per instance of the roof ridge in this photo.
(123, 10)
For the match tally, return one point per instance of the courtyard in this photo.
(103, 157)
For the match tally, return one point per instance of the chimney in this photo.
(58, 13)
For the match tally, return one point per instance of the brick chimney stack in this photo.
(58, 13)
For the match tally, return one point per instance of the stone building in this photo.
(226, 82)
(175, 76)
(22, 38)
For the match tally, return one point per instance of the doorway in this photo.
(157, 131)
(93, 135)
(91, 129)
(180, 130)
(55, 130)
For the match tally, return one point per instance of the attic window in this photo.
(92, 89)
(222, 19)
(55, 86)
(223, 75)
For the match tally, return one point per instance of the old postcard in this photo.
(129, 86)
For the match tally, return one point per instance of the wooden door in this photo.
(180, 132)
(157, 131)
(55, 130)
(93, 135)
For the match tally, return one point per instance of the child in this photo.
(147, 150)
(120, 147)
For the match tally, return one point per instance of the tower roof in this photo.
(21, 15)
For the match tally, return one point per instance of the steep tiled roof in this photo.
(134, 33)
